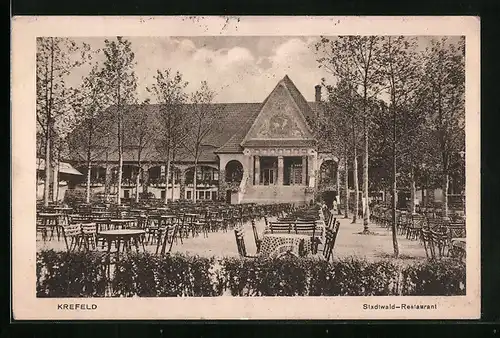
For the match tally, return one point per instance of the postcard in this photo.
(211, 168)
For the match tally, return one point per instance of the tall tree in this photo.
(140, 129)
(55, 59)
(119, 76)
(86, 141)
(169, 91)
(445, 77)
(336, 126)
(356, 59)
(202, 117)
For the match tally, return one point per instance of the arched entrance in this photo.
(328, 181)
(233, 176)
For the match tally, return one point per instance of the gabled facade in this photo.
(260, 152)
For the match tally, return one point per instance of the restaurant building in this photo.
(263, 152)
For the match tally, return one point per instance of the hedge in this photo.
(80, 274)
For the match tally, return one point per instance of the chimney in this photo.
(318, 93)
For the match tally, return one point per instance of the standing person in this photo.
(334, 206)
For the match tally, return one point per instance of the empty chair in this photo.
(72, 232)
(414, 227)
(428, 244)
(239, 234)
(89, 235)
(330, 239)
(281, 227)
(258, 240)
(440, 241)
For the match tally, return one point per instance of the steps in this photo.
(264, 194)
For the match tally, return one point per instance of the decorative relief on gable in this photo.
(279, 119)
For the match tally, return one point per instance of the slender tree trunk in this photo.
(167, 177)
(337, 180)
(55, 183)
(366, 212)
(446, 185)
(413, 191)
(89, 168)
(46, 186)
(137, 183)
(394, 189)
(172, 170)
(195, 178)
(356, 188)
(120, 159)
(355, 173)
(89, 163)
(106, 180)
(346, 184)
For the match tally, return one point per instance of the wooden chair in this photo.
(89, 235)
(428, 244)
(74, 233)
(240, 243)
(330, 238)
(167, 237)
(281, 227)
(414, 228)
(258, 241)
(440, 241)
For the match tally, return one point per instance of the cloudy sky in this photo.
(237, 68)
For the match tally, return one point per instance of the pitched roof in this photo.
(233, 122)
(308, 109)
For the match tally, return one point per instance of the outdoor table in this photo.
(121, 223)
(276, 245)
(127, 236)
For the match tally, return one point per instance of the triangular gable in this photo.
(280, 119)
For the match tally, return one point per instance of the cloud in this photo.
(238, 73)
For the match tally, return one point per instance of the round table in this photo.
(277, 245)
(127, 236)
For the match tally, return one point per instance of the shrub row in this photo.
(62, 274)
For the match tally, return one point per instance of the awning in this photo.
(64, 167)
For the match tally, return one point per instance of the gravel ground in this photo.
(377, 246)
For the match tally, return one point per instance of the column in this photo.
(249, 169)
(257, 170)
(280, 170)
(304, 170)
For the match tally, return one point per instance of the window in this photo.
(207, 195)
(214, 195)
(201, 195)
(126, 193)
(207, 175)
(216, 175)
(189, 195)
(163, 194)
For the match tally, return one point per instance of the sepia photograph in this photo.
(233, 168)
